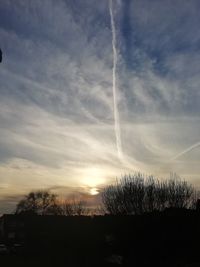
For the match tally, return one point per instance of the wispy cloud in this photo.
(56, 102)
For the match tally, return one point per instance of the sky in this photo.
(57, 120)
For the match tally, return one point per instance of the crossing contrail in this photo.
(186, 151)
(114, 82)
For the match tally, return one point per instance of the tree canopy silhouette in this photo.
(73, 207)
(136, 194)
(39, 202)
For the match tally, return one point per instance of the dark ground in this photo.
(168, 239)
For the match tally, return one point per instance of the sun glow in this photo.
(94, 191)
(92, 178)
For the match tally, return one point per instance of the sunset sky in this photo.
(57, 128)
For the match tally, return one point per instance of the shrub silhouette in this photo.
(136, 194)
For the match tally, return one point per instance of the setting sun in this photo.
(94, 191)
(93, 177)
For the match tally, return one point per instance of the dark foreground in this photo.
(170, 238)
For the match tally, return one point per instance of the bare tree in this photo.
(161, 195)
(135, 194)
(180, 193)
(39, 202)
(73, 207)
(125, 196)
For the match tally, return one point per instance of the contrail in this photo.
(186, 151)
(114, 70)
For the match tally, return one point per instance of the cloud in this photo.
(56, 114)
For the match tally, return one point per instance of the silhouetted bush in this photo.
(136, 194)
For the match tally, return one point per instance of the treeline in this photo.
(131, 195)
(45, 203)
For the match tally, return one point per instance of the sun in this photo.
(92, 178)
(94, 191)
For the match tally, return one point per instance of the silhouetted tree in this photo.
(39, 202)
(73, 207)
(180, 193)
(136, 194)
